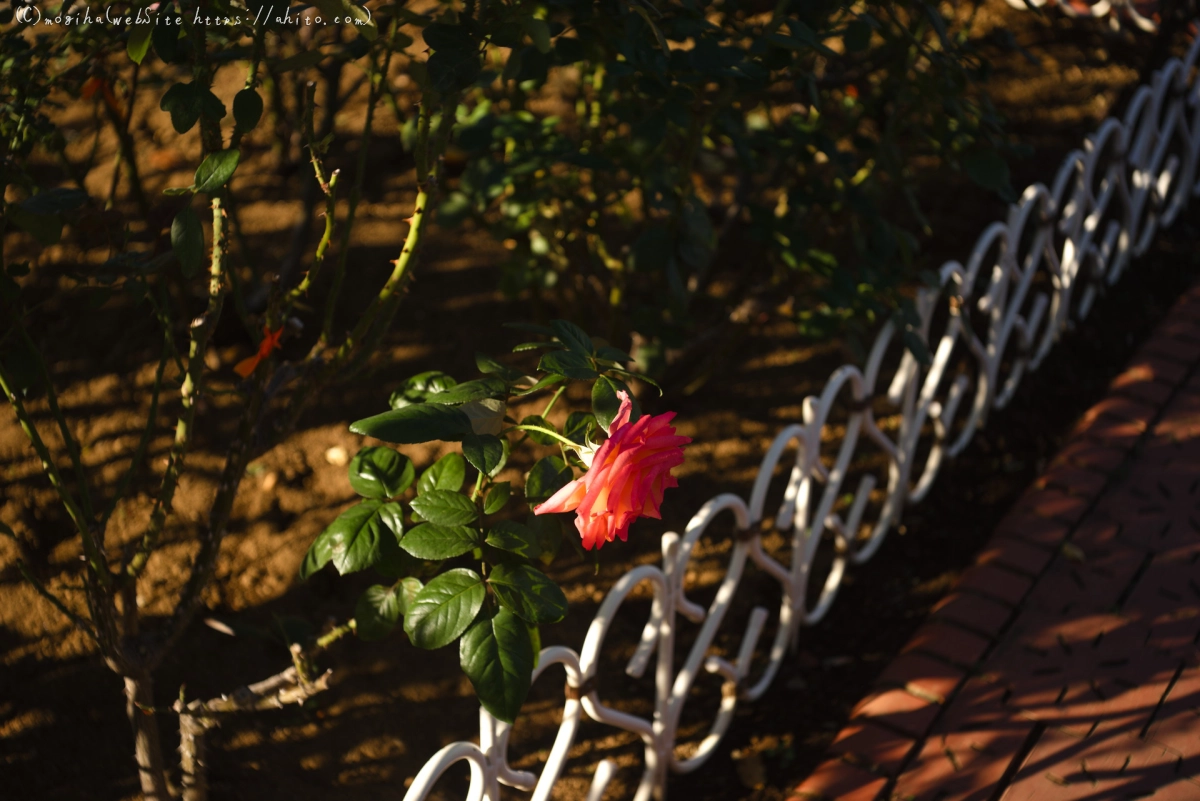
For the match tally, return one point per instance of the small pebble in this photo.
(337, 456)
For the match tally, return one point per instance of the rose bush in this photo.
(458, 565)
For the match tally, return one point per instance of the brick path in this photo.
(1066, 662)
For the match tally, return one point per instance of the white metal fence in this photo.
(1140, 14)
(995, 317)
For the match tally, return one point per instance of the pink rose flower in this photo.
(627, 478)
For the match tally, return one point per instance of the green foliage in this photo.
(463, 568)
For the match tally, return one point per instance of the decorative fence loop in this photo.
(1026, 280)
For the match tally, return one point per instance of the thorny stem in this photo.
(218, 518)
(94, 556)
(377, 78)
(335, 634)
(85, 496)
(202, 327)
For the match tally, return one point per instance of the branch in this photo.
(202, 328)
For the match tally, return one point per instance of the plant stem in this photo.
(202, 328)
(553, 400)
(539, 430)
(72, 445)
(377, 78)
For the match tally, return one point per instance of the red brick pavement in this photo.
(1065, 664)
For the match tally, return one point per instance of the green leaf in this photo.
(216, 170)
(529, 593)
(538, 31)
(605, 403)
(469, 391)
(547, 381)
(444, 608)
(211, 106)
(496, 498)
(377, 472)
(547, 534)
(488, 365)
(139, 42)
(445, 508)
(578, 426)
(568, 364)
(485, 452)
(419, 387)
(574, 337)
(187, 241)
(247, 109)
(447, 473)
(165, 35)
(380, 608)
(429, 541)
(420, 422)
(547, 477)
(318, 555)
(514, 538)
(609, 353)
(498, 657)
(183, 102)
(357, 533)
(394, 562)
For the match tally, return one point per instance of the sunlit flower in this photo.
(628, 474)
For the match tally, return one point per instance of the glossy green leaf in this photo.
(490, 366)
(378, 472)
(568, 364)
(578, 426)
(318, 554)
(429, 541)
(529, 593)
(187, 241)
(497, 498)
(514, 538)
(445, 508)
(484, 452)
(444, 608)
(498, 657)
(574, 337)
(547, 477)
(216, 170)
(422, 422)
(470, 391)
(357, 533)
(380, 608)
(447, 473)
(138, 43)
